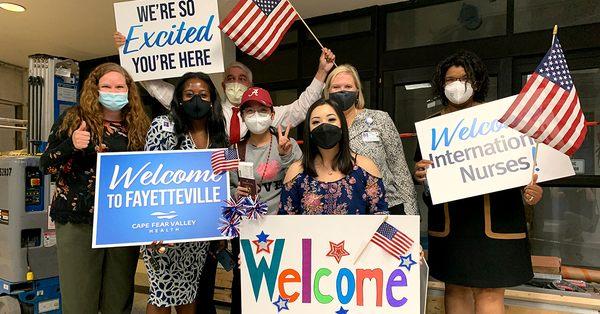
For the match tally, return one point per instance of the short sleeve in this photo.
(291, 194)
(375, 195)
(161, 135)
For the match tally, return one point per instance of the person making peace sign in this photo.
(271, 153)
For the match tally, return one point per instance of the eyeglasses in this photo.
(261, 109)
(449, 80)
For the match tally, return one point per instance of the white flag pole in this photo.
(366, 244)
(310, 30)
(554, 32)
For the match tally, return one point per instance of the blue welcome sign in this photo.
(169, 196)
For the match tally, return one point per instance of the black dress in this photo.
(479, 241)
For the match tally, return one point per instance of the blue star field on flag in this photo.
(267, 6)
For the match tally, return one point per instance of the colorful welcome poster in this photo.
(313, 264)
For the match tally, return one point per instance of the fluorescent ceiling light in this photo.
(417, 86)
(12, 7)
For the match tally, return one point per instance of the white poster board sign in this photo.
(474, 154)
(168, 38)
(306, 264)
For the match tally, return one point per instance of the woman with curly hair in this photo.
(108, 118)
(478, 245)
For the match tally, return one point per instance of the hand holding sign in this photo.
(81, 137)
(421, 170)
(119, 39)
(532, 193)
(285, 145)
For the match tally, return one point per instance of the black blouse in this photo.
(75, 171)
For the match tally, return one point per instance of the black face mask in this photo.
(344, 99)
(196, 108)
(326, 135)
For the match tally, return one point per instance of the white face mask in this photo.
(234, 92)
(458, 92)
(258, 122)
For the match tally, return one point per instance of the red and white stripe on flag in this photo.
(397, 246)
(547, 108)
(257, 26)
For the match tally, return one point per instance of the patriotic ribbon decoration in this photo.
(234, 211)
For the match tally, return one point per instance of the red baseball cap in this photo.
(257, 94)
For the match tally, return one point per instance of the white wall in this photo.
(13, 93)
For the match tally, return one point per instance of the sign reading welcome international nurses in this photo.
(167, 38)
(308, 264)
(170, 196)
(474, 154)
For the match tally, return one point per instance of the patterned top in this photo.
(73, 199)
(358, 193)
(384, 147)
(161, 136)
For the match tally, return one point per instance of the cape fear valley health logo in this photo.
(160, 215)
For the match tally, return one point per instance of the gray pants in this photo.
(93, 280)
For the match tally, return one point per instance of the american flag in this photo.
(547, 108)
(224, 159)
(257, 26)
(392, 240)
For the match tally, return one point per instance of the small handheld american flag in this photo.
(257, 26)
(224, 159)
(547, 108)
(392, 240)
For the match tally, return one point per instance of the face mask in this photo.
(344, 99)
(196, 108)
(458, 92)
(326, 135)
(258, 122)
(113, 101)
(234, 92)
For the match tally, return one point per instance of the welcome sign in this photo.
(474, 154)
(167, 38)
(313, 264)
(170, 196)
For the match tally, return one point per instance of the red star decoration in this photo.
(337, 251)
(263, 246)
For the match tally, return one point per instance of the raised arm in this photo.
(295, 112)
(159, 89)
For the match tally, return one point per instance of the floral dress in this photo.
(358, 193)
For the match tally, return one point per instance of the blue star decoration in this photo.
(407, 261)
(281, 304)
(262, 237)
(341, 311)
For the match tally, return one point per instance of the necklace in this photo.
(329, 171)
(194, 142)
(262, 177)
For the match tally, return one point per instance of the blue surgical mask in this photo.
(113, 101)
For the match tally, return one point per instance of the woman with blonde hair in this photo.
(374, 135)
(108, 118)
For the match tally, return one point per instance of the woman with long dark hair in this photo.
(330, 179)
(195, 122)
(108, 118)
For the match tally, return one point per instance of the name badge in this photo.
(168, 127)
(370, 137)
